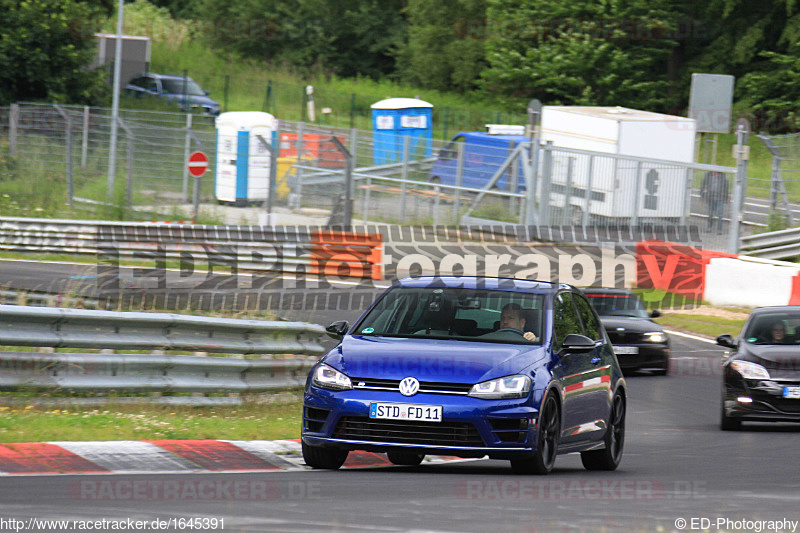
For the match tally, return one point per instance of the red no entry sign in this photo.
(198, 164)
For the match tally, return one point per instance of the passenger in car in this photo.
(512, 317)
(778, 332)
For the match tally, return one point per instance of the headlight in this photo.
(327, 377)
(750, 370)
(655, 336)
(507, 387)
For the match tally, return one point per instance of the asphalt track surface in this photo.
(677, 466)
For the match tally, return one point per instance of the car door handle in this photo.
(595, 360)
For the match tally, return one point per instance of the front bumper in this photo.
(470, 427)
(766, 400)
(649, 355)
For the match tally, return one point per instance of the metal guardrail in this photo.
(252, 248)
(782, 244)
(159, 372)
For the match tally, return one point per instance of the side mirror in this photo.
(338, 329)
(207, 92)
(655, 313)
(574, 343)
(726, 341)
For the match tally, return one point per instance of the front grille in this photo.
(408, 432)
(787, 405)
(510, 429)
(435, 387)
(315, 418)
(624, 338)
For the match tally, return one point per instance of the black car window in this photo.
(565, 319)
(617, 304)
(591, 326)
(150, 84)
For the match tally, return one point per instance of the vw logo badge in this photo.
(409, 386)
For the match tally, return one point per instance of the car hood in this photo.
(780, 360)
(431, 359)
(630, 324)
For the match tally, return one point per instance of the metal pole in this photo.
(275, 150)
(85, 140)
(68, 142)
(348, 181)
(547, 178)
(13, 122)
(739, 188)
(129, 176)
(365, 208)
(687, 198)
(112, 150)
(298, 188)
(187, 151)
(587, 204)
(404, 177)
(459, 181)
(773, 185)
(566, 217)
(636, 194)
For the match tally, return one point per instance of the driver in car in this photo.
(512, 317)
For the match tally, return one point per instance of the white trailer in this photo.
(613, 182)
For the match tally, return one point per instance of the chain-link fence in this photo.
(783, 188)
(65, 151)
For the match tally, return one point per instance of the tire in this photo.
(609, 457)
(546, 441)
(326, 458)
(405, 458)
(728, 423)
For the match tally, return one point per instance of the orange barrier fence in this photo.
(347, 254)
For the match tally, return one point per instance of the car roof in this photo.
(480, 282)
(481, 137)
(162, 76)
(606, 290)
(773, 308)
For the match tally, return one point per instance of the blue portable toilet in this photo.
(393, 120)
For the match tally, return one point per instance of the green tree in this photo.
(45, 49)
(446, 44)
(345, 38)
(581, 53)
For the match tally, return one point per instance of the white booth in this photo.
(243, 161)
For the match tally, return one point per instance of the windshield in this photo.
(456, 313)
(774, 328)
(187, 86)
(617, 304)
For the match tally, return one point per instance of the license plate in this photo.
(626, 350)
(406, 411)
(791, 392)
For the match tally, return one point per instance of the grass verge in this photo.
(710, 326)
(250, 421)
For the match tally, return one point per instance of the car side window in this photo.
(591, 325)
(565, 319)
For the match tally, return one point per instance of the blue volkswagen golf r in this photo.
(469, 367)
